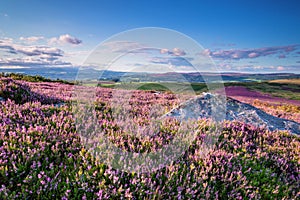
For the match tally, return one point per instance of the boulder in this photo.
(219, 108)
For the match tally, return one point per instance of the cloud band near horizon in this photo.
(236, 54)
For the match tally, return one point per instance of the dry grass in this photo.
(286, 81)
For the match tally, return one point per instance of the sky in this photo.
(257, 36)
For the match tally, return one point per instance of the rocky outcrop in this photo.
(219, 108)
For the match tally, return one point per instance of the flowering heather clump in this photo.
(42, 155)
(286, 111)
(20, 92)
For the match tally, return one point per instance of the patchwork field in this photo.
(42, 156)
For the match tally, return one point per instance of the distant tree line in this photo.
(30, 78)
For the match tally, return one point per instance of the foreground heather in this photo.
(42, 156)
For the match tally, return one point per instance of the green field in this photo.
(284, 89)
(161, 87)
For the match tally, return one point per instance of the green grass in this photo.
(276, 89)
(287, 91)
(161, 87)
(283, 90)
(153, 86)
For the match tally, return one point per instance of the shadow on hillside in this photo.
(22, 93)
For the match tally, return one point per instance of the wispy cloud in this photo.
(289, 68)
(176, 61)
(173, 52)
(237, 54)
(125, 46)
(138, 48)
(280, 68)
(12, 67)
(260, 68)
(4, 14)
(65, 39)
(29, 50)
(281, 56)
(222, 44)
(29, 55)
(31, 39)
(31, 62)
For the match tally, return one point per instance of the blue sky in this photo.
(242, 36)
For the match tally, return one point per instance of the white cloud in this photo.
(164, 51)
(31, 39)
(261, 68)
(237, 54)
(178, 52)
(7, 44)
(174, 52)
(253, 55)
(30, 62)
(29, 55)
(13, 67)
(280, 68)
(65, 39)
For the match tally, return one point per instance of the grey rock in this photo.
(58, 105)
(219, 108)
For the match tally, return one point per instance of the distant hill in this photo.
(195, 77)
(71, 73)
